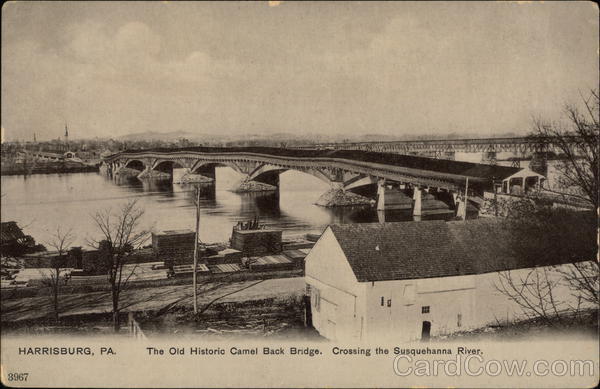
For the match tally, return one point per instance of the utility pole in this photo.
(495, 196)
(196, 248)
(466, 197)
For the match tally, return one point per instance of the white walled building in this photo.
(405, 281)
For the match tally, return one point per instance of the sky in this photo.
(393, 68)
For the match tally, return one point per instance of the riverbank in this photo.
(47, 168)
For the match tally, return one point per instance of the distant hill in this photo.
(162, 136)
(295, 137)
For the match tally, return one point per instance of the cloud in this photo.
(137, 40)
(389, 69)
(88, 42)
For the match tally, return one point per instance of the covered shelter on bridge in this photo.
(523, 181)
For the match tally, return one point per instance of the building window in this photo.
(459, 320)
(425, 309)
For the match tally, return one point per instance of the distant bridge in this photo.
(515, 149)
(342, 169)
(514, 144)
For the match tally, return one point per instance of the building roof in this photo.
(524, 173)
(429, 249)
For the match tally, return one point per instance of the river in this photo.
(41, 203)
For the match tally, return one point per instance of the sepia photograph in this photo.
(300, 194)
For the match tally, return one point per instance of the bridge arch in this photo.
(346, 180)
(167, 165)
(201, 167)
(266, 173)
(136, 164)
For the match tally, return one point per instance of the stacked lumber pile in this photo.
(180, 270)
(174, 247)
(271, 262)
(313, 237)
(253, 243)
(297, 244)
(225, 268)
(225, 256)
(296, 256)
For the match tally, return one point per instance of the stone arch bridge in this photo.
(344, 170)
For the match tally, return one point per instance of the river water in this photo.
(40, 203)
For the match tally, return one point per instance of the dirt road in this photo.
(151, 298)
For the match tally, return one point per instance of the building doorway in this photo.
(426, 331)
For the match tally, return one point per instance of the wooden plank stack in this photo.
(180, 270)
(254, 243)
(225, 256)
(225, 268)
(174, 247)
(297, 244)
(271, 262)
(296, 256)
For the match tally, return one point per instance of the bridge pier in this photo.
(381, 196)
(123, 171)
(106, 169)
(417, 196)
(186, 175)
(148, 172)
(266, 183)
(339, 196)
(461, 206)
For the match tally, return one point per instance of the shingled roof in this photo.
(429, 249)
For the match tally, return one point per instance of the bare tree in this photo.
(60, 241)
(577, 142)
(582, 278)
(552, 236)
(556, 249)
(121, 236)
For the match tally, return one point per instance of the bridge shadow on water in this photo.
(291, 209)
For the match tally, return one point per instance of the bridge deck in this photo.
(477, 171)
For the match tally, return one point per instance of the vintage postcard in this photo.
(281, 194)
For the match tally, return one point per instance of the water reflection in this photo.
(41, 202)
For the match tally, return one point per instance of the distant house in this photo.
(411, 280)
